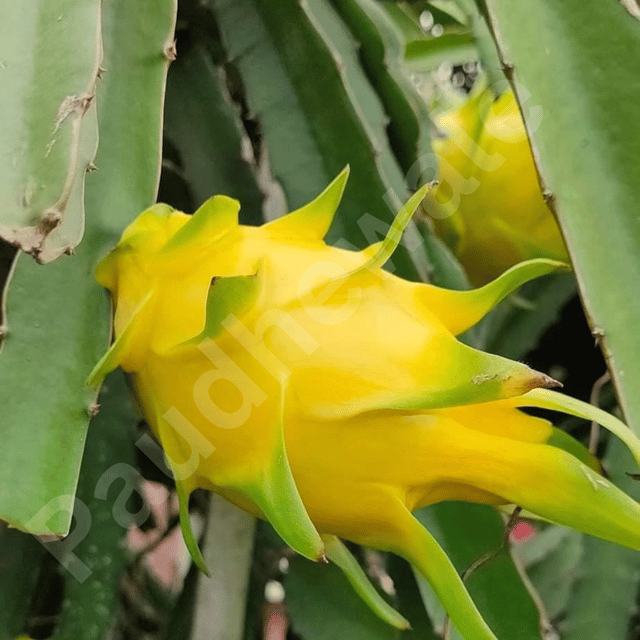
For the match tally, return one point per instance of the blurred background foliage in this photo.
(267, 102)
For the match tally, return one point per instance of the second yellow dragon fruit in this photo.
(314, 389)
(489, 207)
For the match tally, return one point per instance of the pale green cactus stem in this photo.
(48, 121)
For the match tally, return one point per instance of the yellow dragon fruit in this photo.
(312, 388)
(489, 207)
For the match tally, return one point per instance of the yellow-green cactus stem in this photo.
(489, 207)
(312, 388)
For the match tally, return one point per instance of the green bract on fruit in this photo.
(312, 388)
(489, 207)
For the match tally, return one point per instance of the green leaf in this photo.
(317, 114)
(102, 515)
(579, 91)
(57, 317)
(323, 606)
(467, 532)
(603, 602)
(50, 53)
(205, 128)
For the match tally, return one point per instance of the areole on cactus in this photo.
(312, 388)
